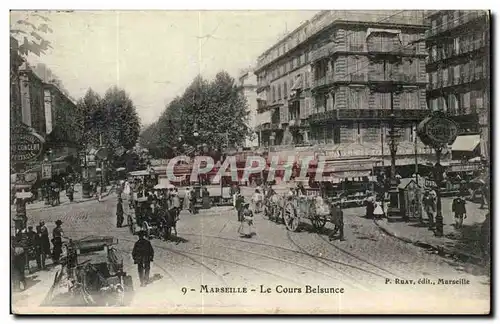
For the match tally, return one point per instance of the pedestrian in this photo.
(239, 206)
(458, 207)
(378, 212)
(429, 207)
(257, 201)
(143, 255)
(246, 228)
(18, 258)
(119, 213)
(337, 218)
(186, 201)
(70, 192)
(57, 235)
(370, 207)
(192, 201)
(176, 204)
(43, 232)
(206, 198)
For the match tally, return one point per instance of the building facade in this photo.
(32, 102)
(340, 79)
(458, 65)
(247, 83)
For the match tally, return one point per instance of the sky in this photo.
(154, 55)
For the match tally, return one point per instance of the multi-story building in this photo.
(32, 103)
(63, 135)
(247, 82)
(339, 80)
(458, 66)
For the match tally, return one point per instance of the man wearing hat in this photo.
(43, 232)
(57, 234)
(429, 207)
(119, 213)
(143, 255)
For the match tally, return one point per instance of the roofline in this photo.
(336, 23)
(280, 40)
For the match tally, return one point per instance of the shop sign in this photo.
(46, 171)
(25, 146)
(437, 131)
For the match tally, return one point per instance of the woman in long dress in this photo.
(246, 226)
(378, 212)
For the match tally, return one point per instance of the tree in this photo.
(217, 110)
(112, 120)
(26, 30)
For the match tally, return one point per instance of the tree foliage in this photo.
(112, 119)
(216, 109)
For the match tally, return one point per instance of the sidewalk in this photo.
(463, 243)
(78, 198)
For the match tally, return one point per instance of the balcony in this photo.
(452, 23)
(356, 48)
(269, 126)
(261, 105)
(262, 85)
(326, 80)
(323, 52)
(369, 114)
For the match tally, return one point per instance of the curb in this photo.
(439, 248)
(69, 203)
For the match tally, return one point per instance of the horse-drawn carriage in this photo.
(91, 275)
(141, 218)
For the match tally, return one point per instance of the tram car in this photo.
(91, 275)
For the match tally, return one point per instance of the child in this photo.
(378, 212)
(246, 227)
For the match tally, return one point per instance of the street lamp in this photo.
(393, 191)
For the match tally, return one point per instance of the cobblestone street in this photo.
(210, 252)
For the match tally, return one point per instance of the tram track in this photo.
(300, 251)
(359, 258)
(243, 265)
(185, 256)
(352, 282)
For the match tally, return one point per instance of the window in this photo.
(273, 94)
(279, 92)
(306, 81)
(336, 135)
(456, 45)
(291, 65)
(285, 93)
(444, 73)
(306, 57)
(299, 60)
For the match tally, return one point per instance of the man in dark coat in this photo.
(337, 218)
(143, 255)
(458, 207)
(57, 235)
(119, 213)
(43, 232)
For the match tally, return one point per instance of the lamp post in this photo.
(437, 131)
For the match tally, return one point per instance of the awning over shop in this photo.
(263, 118)
(466, 143)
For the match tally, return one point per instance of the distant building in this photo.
(32, 102)
(458, 65)
(329, 84)
(247, 82)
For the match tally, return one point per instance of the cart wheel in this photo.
(318, 222)
(290, 217)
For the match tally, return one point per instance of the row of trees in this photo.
(111, 121)
(209, 113)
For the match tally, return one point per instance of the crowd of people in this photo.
(34, 245)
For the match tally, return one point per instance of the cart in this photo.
(312, 207)
(91, 275)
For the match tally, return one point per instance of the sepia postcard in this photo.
(250, 162)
